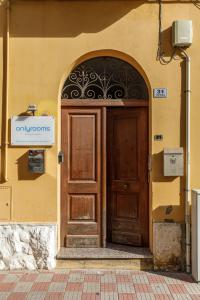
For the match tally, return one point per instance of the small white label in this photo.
(160, 93)
(32, 130)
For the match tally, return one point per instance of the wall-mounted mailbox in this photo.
(173, 162)
(36, 161)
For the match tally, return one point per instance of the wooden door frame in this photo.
(103, 104)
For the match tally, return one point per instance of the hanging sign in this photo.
(32, 130)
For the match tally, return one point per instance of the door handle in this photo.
(125, 186)
(60, 157)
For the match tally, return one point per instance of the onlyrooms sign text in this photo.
(32, 130)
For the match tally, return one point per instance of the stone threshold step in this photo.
(111, 252)
(115, 264)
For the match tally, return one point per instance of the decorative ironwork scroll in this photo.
(104, 77)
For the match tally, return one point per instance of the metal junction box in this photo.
(173, 162)
(36, 161)
(182, 33)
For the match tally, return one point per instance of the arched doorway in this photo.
(104, 179)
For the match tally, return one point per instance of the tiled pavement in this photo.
(97, 285)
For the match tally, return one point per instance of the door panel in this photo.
(81, 177)
(126, 206)
(82, 134)
(125, 149)
(127, 136)
(82, 208)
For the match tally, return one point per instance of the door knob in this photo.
(125, 186)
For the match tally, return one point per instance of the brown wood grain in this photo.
(81, 176)
(106, 103)
(104, 177)
(127, 197)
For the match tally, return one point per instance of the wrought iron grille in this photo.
(104, 77)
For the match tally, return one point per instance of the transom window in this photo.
(105, 77)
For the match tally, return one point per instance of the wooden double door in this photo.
(104, 180)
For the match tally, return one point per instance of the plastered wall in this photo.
(46, 40)
(1, 67)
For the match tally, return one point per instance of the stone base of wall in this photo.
(167, 246)
(33, 246)
(27, 246)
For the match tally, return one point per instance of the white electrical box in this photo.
(182, 33)
(195, 218)
(173, 162)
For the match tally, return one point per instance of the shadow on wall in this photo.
(66, 18)
(157, 171)
(168, 213)
(23, 172)
(166, 42)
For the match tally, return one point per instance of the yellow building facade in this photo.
(41, 42)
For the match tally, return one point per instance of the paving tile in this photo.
(23, 286)
(11, 278)
(4, 295)
(109, 296)
(177, 289)
(123, 278)
(44, 277)
(40, 286)
(76, 277)
(74, 287)
(54, 296)
(112, 272)
(7, 286)
(122, 272)
(75, 271)
(91, 287)
(2, 276)
(36, 296)
(97, 285)
(138, 272)
(72, 296)
(163, 297)
(127, 296)
(57, 287)
(91, 278)
(125, 288)
(17, 296)
(172, 280)
(90, 296)
(153, 278)
(140, 279)
(195, 296)
(61, 271)
(20, 271)
(108, 278)
(59, 277)
(143, 288)
(108, 287)
(193, 288)
(160, 288)
(29, 277)
(145, 296)
(181, 297)
(94, 272)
